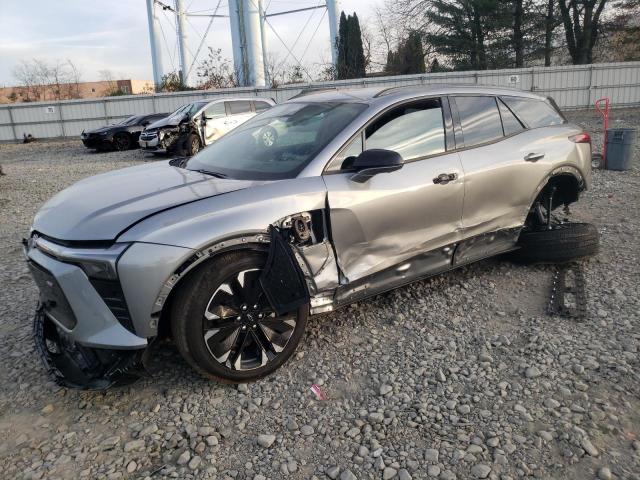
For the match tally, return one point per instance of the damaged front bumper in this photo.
(73, 365)
(159, 141)
(77, 334)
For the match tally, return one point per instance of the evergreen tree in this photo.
(473, 33)
(351, 62)
(409, 58)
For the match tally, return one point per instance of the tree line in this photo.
(415, 36)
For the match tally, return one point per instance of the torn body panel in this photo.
(78, 366)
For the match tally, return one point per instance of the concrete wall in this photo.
(571, 86)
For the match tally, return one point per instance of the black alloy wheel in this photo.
(224, 326)
(240, 329)
(121, 142)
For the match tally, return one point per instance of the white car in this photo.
(196, 125)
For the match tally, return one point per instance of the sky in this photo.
(112, 35)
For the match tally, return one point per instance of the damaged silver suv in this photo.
(358, 192)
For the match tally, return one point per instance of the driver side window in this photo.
(414, 130)
(215, 111)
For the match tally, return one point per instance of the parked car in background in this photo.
(196, 125)
(119, 136)
(362, 191)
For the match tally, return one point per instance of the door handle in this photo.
(445, 178)
(533, 157)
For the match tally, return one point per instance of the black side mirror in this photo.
(145, 123)
(375, 161)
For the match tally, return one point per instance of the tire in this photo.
(121, 142)
(563, 243)
(268, 137)
(193, 145)
(212, 350)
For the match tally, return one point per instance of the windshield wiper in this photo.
(213, 174)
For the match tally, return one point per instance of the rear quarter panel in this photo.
(500, 185)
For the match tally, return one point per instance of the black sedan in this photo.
(119, 136)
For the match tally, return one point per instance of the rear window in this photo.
(239, 107)
(535, 113)
(480, 119)
(510, 123)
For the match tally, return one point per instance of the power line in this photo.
(204, 37)
(314, 34)
(288, 49)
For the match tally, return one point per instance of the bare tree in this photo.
(27, 77)
(216, 71)
(73, 80)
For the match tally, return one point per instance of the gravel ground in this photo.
(461, 376)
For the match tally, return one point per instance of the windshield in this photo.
(278, 143)
(189, 108)
(133, 120)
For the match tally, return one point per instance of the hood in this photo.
(103, 206)
(166, 122)
(106, 128)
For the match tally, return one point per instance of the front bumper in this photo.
(95, 141)
(151, 142)
(83, 315)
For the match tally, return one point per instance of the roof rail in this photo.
(311, 90)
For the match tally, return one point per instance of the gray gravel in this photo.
(461, 376)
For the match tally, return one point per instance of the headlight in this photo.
(95, 262)
(98, 269)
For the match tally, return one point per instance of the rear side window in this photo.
(535, 113)
(414, 130)
(510, 124)
(480, 119)
(239, 106)
(260, 106)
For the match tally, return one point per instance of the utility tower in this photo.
(249, 22)
(154, 39)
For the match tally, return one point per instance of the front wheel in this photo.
(193, 144)
(223, 325)
(121, 142)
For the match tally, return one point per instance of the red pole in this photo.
(605, 115)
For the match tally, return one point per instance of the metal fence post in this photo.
(13, 125)
(106, 115)
(64, 134)
(590, 84)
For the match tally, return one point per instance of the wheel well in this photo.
(164, 320)
(565, 188)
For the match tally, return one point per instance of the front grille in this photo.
(148, 135)
(52, 297)
(111, 293)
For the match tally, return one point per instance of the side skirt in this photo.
(424, 266)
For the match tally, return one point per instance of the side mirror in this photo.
(375, 161)
(145, 123)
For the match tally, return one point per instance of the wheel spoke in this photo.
(264, 346)
(239, 347)
(237, 290)
(220, 341)
(251, 286)
(278, 331)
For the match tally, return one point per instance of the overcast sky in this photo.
(112, 34)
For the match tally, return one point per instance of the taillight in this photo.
(581, 138)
